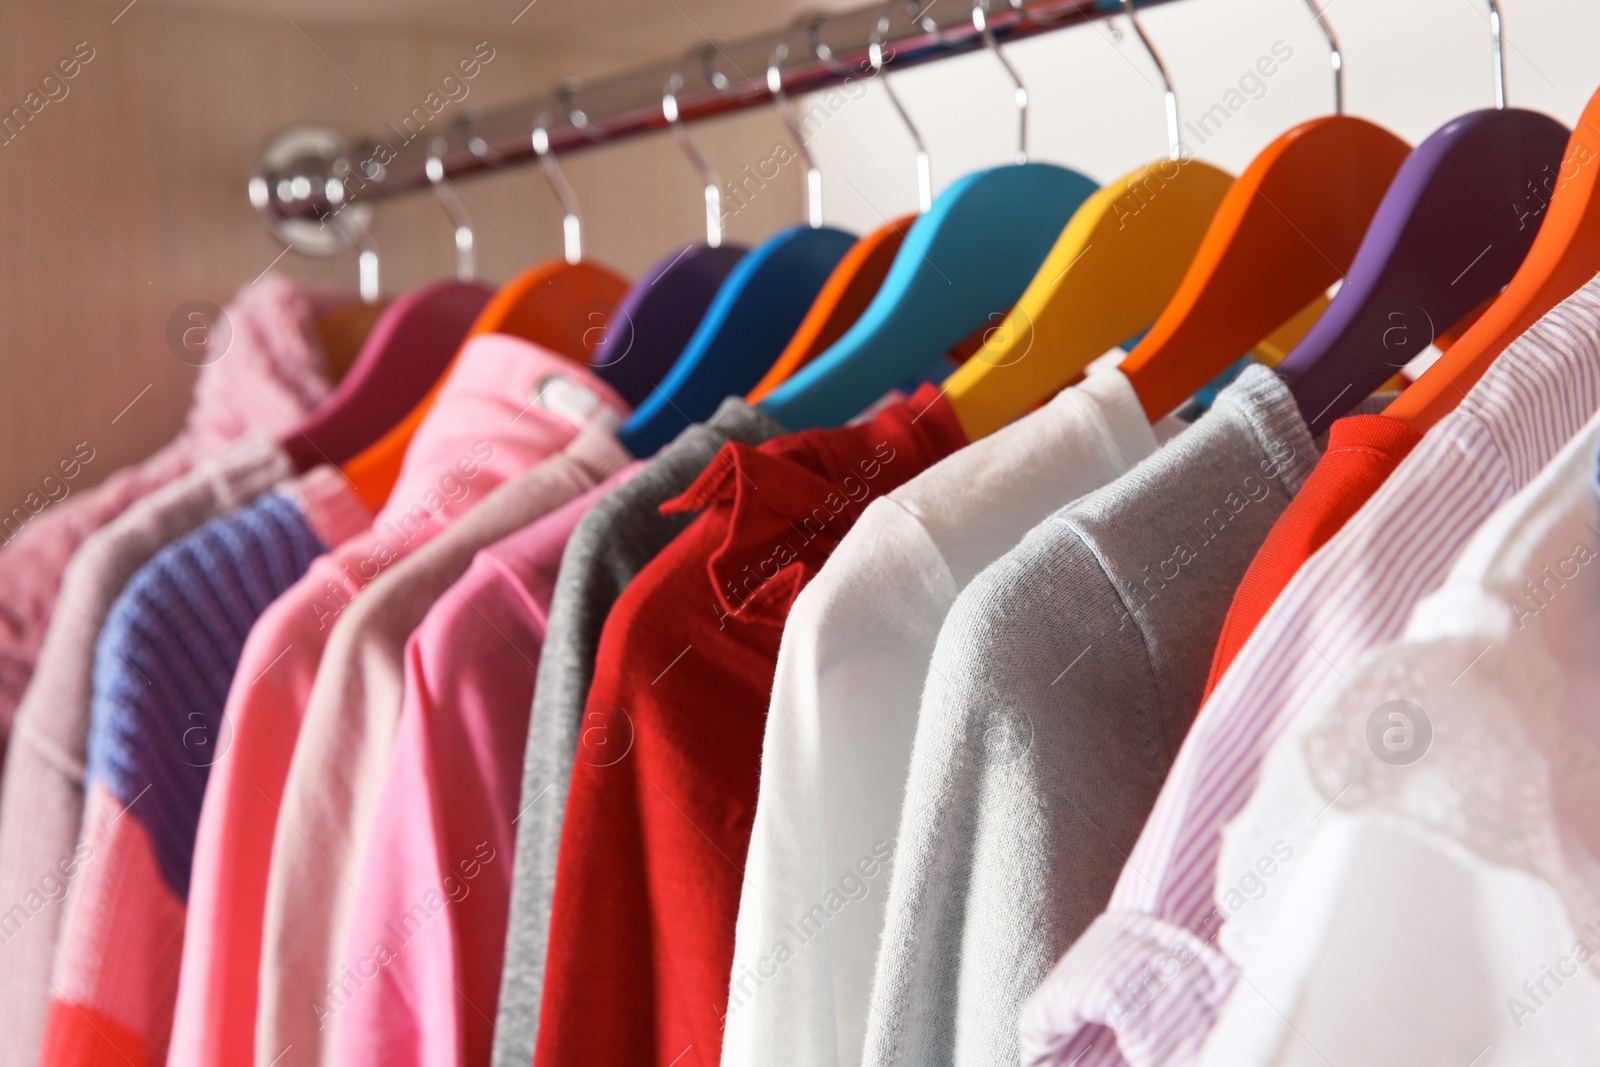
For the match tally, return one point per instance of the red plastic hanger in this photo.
(410, 343)
(408, 350)
(548, 304)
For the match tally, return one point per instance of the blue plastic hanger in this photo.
(755, 312)
(963, 264)
(647, 332)
(1450, 232)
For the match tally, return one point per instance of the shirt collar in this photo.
(506, 405)
(784, 505)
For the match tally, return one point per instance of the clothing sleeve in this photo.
(838, 737)
(163, 668)
(423, 961)
(1009, 841)
(214, 1024)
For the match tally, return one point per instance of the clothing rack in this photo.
(309, 173)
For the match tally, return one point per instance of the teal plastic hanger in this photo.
(963, 264)
(754, 314)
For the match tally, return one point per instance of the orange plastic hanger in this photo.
(857, 278)
(1564, 255)
(1286, 231)
(343, 330)
(541, 305)
(549, 304)
(844, 296)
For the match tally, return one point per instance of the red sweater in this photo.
(1362, 451)
(664, 788)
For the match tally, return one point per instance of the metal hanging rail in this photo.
(309, 176)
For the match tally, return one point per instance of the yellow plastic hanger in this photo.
(1110, 273)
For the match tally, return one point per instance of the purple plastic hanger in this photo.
(1454, 226)
(410, 346)
(657, 317)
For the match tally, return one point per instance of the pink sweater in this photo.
(484, 428)
(443, 833)
(163, 665)
(272, 372)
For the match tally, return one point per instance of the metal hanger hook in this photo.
(875, 54)
(780, 52)
(1497, 26)
(1174, 145)
(980, 22)
(466, 260)
(367, 249)
(702, 166)
(1335, 56)
(571, 219)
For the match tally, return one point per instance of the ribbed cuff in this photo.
(251, 465)
(329, 503)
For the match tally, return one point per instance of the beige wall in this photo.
(153, 145)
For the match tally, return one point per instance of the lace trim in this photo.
(1487, 777)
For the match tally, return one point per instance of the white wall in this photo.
(1410, 65)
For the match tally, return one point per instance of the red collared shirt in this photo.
(1363, 450)
(664, 787)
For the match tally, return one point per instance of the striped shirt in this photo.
(1145, 983)
(1441, 808)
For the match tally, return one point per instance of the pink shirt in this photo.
(347, 737)
(486, 425)
(425, 984)
(271, 375)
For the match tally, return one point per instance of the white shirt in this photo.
(843, 715)
(1445, 905)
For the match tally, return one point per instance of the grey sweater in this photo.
(609, 547)
(1062, 683)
